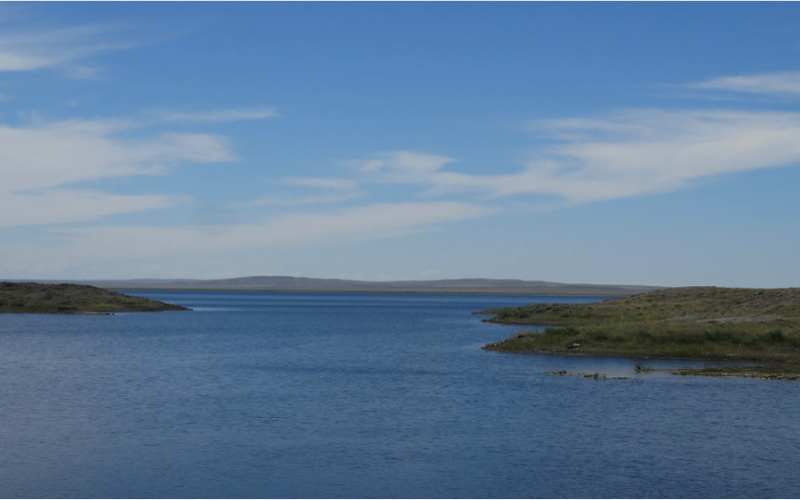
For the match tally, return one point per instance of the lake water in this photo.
(364, 395)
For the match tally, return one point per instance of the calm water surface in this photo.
(364, 395)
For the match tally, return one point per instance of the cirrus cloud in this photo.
(30, 49)
(87, 247)
(787, 82)
(43, 165)
(218, 115)
(632, 153)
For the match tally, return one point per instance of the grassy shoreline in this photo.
(700, 323)
(37, 298)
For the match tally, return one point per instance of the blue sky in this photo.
(640, 143)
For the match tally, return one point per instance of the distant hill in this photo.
(293, 284)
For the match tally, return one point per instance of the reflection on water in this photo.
(364, 395)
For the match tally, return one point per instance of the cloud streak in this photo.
(662, 152)
(98, 245)
(218, 116)
(59, 206)
(30, 50)
(635, 153)
(786, 83)
(43, 165)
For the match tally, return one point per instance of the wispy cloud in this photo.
(664, 151)
(96, 246)
(325, 191)
(56, 154)
(405, 165)
(769, 83)
(29, 49)
(633, 153)
(59, 206)
(336, 184)
(295, 201)
(217, 116)
(42, 165)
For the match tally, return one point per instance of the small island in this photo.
(67, 298)
(703, 323)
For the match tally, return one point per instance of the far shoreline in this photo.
(290, 284)
(420, 291)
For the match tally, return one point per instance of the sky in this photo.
(630, 143)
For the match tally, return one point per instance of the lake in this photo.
(364, 395)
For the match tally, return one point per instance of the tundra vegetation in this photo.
(73, 299)
(704, 323)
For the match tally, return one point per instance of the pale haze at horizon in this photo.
(652, 144)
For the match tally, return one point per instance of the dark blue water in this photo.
(364, 395)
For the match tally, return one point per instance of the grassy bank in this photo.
(708, 323)
(72, 299)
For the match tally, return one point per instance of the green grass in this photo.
(692, 323)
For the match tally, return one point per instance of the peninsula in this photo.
(705, 323)
(69, 298)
